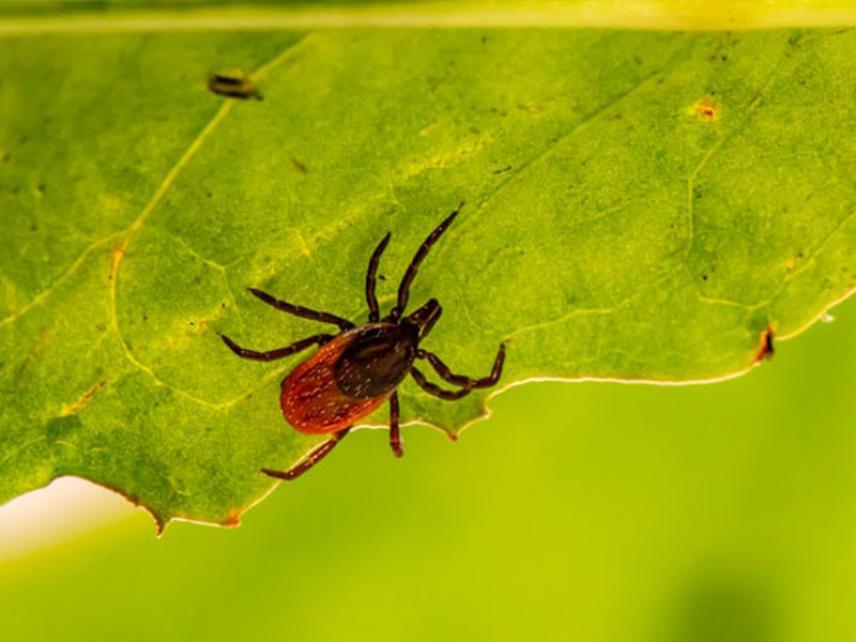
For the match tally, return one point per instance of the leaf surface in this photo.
(643, 206)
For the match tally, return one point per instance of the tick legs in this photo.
(468, 384)
(311, 459)
(462, 380)
(278, 353)
(434, 389)
(394, 429)
(300, 311)
(371, 279)
(404, 287)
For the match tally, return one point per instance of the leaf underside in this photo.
(640, 206)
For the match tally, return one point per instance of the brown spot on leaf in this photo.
(705, 109)
(298, 166)
(233, 519)
(767, 349)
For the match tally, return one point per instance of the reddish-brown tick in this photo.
(358, 369)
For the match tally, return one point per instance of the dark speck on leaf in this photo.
(504, 169)
(704, 277)
(298, 166)
(382, 277)
(233, 86)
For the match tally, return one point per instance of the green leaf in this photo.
(643, 206)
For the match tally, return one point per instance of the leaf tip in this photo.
(160, 525)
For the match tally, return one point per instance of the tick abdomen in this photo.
(311, 400)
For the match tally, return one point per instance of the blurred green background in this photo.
(585, 511)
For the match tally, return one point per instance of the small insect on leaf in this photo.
(360, 368)
(234, 85)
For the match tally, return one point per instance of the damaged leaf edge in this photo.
(233, 518)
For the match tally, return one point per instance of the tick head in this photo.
(423, 319)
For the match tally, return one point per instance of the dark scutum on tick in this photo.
(355, 371)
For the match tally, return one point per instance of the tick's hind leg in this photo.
(278, 353)
(462, 380)
(300, 311)
(311, 459)
(394, 428)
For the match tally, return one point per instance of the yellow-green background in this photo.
(588, 511)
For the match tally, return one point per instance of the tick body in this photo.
(357, 370)
(348, 378)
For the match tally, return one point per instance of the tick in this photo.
(358, 369)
